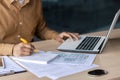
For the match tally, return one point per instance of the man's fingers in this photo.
(25, 49)
(22, 49)
(70, 35)
(62, 36)
(74, 36)
(65, 34)
(59, 39)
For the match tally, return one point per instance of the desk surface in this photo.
(108, 60)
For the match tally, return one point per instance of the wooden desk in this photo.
(109, 60)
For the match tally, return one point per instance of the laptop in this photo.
(87, 43)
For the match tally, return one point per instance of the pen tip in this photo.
(36, 51)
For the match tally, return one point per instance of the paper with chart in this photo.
(68, 70)
(54, 71)
(73, 58)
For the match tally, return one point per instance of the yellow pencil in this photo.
(26, 42)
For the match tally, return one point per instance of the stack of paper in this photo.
(59, 67)
(54, 71)
(39, 58)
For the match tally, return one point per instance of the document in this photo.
(39, 58)
(63, 65)
(10, 67)
(54, 71)
(73, 58)
(68, 70)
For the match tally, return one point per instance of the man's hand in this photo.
(23, 49)
(62, 36)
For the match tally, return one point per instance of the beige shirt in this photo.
(24, 19)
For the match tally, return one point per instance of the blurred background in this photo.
(80, 16)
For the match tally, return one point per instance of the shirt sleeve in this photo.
(42, 30)
(6, 49)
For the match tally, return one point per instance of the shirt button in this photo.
(20, 23)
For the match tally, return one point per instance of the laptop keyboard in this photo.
(88, 43)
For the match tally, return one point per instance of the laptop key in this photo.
(88, 43)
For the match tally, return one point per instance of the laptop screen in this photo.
(111, 27)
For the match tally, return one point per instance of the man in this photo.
(24, 18)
